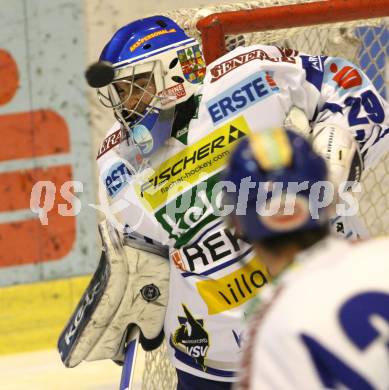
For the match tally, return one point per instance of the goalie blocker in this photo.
(129, 288)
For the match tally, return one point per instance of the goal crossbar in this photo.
(215, 27)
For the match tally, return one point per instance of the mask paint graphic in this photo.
(192, 64)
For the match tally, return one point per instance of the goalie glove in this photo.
(129, 288)
(339, 148)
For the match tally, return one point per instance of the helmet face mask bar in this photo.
(133, 96)
(133, 82)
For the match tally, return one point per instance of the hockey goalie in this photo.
(160, 166)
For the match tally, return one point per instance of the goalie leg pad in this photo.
(130, 287)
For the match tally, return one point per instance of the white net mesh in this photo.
(364, 42)
(331, 33)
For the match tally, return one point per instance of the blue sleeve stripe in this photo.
(314, 69)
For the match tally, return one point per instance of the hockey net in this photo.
(363, 42)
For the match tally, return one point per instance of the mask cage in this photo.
(111, 97)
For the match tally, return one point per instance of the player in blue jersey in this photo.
(323, 322)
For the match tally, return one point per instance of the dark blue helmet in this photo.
(289, 178)
(142, 38)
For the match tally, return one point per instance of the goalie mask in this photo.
(155, 67)
(288, 194)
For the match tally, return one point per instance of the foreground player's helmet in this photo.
(276, 161)
(170, 66)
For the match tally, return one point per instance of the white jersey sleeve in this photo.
(328, 89)
(326, 324)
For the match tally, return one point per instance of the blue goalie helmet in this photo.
(156, 66)
(290, 181)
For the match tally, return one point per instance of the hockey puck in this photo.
(100, 74)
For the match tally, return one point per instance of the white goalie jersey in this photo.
(325, 324)
(176, 201)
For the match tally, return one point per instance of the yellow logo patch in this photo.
(205, 157)
(234, 289)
